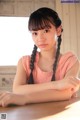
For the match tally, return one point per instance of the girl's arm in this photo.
(48, 95)
(20, 85)
(7, 98)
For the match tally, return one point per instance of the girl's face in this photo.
(46, 39)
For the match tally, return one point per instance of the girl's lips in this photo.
(43, 45)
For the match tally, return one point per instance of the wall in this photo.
(70, 14)
(7, 74)
(22, 7)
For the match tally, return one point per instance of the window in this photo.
(15, 39)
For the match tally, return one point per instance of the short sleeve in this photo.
(25, 63)
(71, 60)
(66, 62)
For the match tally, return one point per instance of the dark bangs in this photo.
(38, 22)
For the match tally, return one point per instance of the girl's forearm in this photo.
(28, 89)
(48, 95)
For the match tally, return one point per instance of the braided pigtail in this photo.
(56, 58)
(31, 80)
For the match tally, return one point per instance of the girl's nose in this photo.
(41, 36)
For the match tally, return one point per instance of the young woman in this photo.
(47, 75)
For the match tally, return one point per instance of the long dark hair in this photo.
(38, 20)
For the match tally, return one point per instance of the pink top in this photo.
(66, 61)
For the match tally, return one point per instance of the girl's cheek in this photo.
(35, 41)
(56, 38)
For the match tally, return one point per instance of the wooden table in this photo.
(64, 110)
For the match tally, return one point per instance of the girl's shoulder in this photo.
(68, 56)
(26, 61)
(67, 60)
(27, 58)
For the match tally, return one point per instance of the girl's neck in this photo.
(48, 54)
(46, 60)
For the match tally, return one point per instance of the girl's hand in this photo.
(70, 82)
(7, 98)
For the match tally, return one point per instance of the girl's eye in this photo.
(46, 30)
(34, 33)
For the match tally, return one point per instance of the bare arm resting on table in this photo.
(52, 91)
(7, 98)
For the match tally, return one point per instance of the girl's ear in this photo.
(59, 30)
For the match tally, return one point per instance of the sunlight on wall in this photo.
(15, 39)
